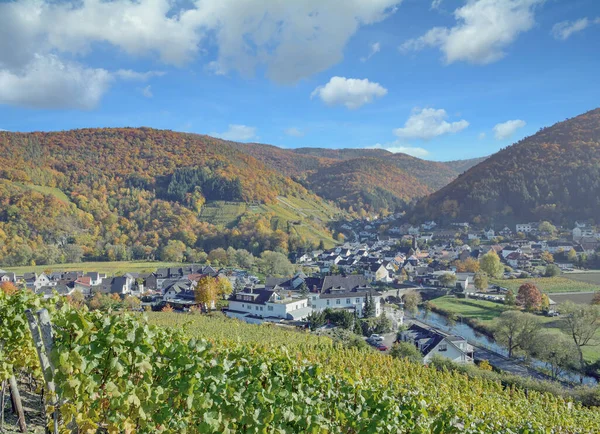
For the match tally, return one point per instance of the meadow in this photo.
(549, 285)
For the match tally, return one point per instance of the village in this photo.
(367, 277)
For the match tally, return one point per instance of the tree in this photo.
(411, 301)
(557, 351)
(406, 350)
(581, 323)
(224, 287)
(8, 288)
(552, 270)
(516, 330)
(596, 299)
(244, 259)
(173, 251)
(238, 286)
(448, 279)
(530, 297)
(545, 304)
(369, 308)
(73, 253)
(547, 257)
(275, 264)
(469, 265)
(547, 227)
(132, 303)
(303, 289)
(510, 299)
(206, 292)
(572, 256)
(491, 265)
(481, 281)
(218, 257)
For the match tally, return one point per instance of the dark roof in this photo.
(429, 338)
(283, 282)
(260, 296)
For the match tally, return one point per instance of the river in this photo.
(459, 328)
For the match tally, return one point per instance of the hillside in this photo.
(552, 175)
(369, 184)
(127, 193)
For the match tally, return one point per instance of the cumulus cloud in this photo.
(375, 48)
(350, 92)
(565, 29)
(48, 82)
(428, 123)
(484, 29)
(237, 133)
(507, 129)
(294, 132)
(397, 148)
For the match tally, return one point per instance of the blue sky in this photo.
(437, 79)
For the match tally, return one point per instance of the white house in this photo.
(34, 281)
(489, 233)
(524, 228)
(346, 292)
(580, 232)
(259, 305)
(432, 342)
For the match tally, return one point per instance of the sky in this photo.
(437, 79)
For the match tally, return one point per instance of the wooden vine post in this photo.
(43, 339)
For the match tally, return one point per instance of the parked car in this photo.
(375, 338)
(381, 347)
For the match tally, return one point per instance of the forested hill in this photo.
(132, 192)
(553, 175)
(366, 183)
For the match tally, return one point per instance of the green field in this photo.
(110, 268)
(486, 313)
(57, 193)
(549, 285)
(222, 213)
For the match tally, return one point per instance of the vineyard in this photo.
(195, 374)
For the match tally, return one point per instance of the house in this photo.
(257, 305)
(180, 290)
(346, 292)
(507, 250)
(489, 233)
(431, 342)
(555, 246)
(115, 285)
(35, 282)
(5, 276)
(526, 228)
(95, 277)
(83, 284)
(580, 232)
(377, 272)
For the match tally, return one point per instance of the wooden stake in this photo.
(16, 399)
(2, 405)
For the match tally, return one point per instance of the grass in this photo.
(56, 192)
(109, 268)
(222, 213)
(487, 312)
(549, 285)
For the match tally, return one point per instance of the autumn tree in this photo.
(581, 323)
(572, 255)
(224, 287)
(173, 251)
(218, 256)
(596, 299)
(509, 298)
(411, 301)
(516, 330)
(480, 281)
(547, 227)
(491, 265)
(8, 288)
(552, 270)
(469, 265)
(448, 279)
(132, 303)
(206, 292)
(530, 297)
(547, 257)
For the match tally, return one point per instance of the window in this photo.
(348, 301)
(358, 299)
(269, 307)
(242, 304)
(327, 302)
(256, 307)
(261, 308)
(443, 347)
(337, 301)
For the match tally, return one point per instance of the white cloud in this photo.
(396, 147)
(435, 4)
(565, 29)
(428, 123)
(237, 133)
(291, 40)
(507, 129)
(294, 132)
(484, 29)
(147, 92)
(350, 92)
(481, 136)
(48, 82)
(128, 74)
(375, 48)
